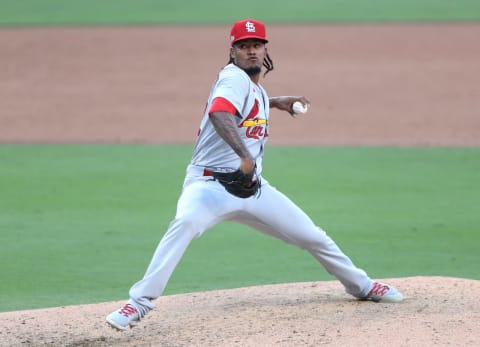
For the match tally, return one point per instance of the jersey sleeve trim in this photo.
(220, 104)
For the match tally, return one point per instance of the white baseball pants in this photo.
(204, 203)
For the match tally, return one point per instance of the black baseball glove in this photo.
(238, 183)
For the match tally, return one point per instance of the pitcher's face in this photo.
(249, 55)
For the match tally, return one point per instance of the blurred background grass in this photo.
(79, 223)
(147, 12)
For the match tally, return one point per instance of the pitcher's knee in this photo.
(186, 225)
(314, 240)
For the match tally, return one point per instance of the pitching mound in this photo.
(437, 311)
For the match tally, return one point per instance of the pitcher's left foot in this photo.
(125, 317)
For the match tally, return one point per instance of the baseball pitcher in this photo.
(225, 181)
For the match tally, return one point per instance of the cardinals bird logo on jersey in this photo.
(256, 128)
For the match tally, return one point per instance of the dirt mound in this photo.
(437, 311)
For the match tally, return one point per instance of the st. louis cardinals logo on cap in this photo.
(248, 29)
(250, 26)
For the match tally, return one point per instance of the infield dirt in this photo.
(393, 85)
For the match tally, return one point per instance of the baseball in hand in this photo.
(299, 108)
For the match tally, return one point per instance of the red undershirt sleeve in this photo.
(220, 104)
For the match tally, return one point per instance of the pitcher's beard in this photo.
(252, 71)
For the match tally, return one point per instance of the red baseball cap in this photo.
(248, 29)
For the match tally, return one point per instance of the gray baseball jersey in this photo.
(252, 105)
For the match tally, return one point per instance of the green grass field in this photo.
(105, 12)
(79, 223)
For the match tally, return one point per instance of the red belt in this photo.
(207, 172)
